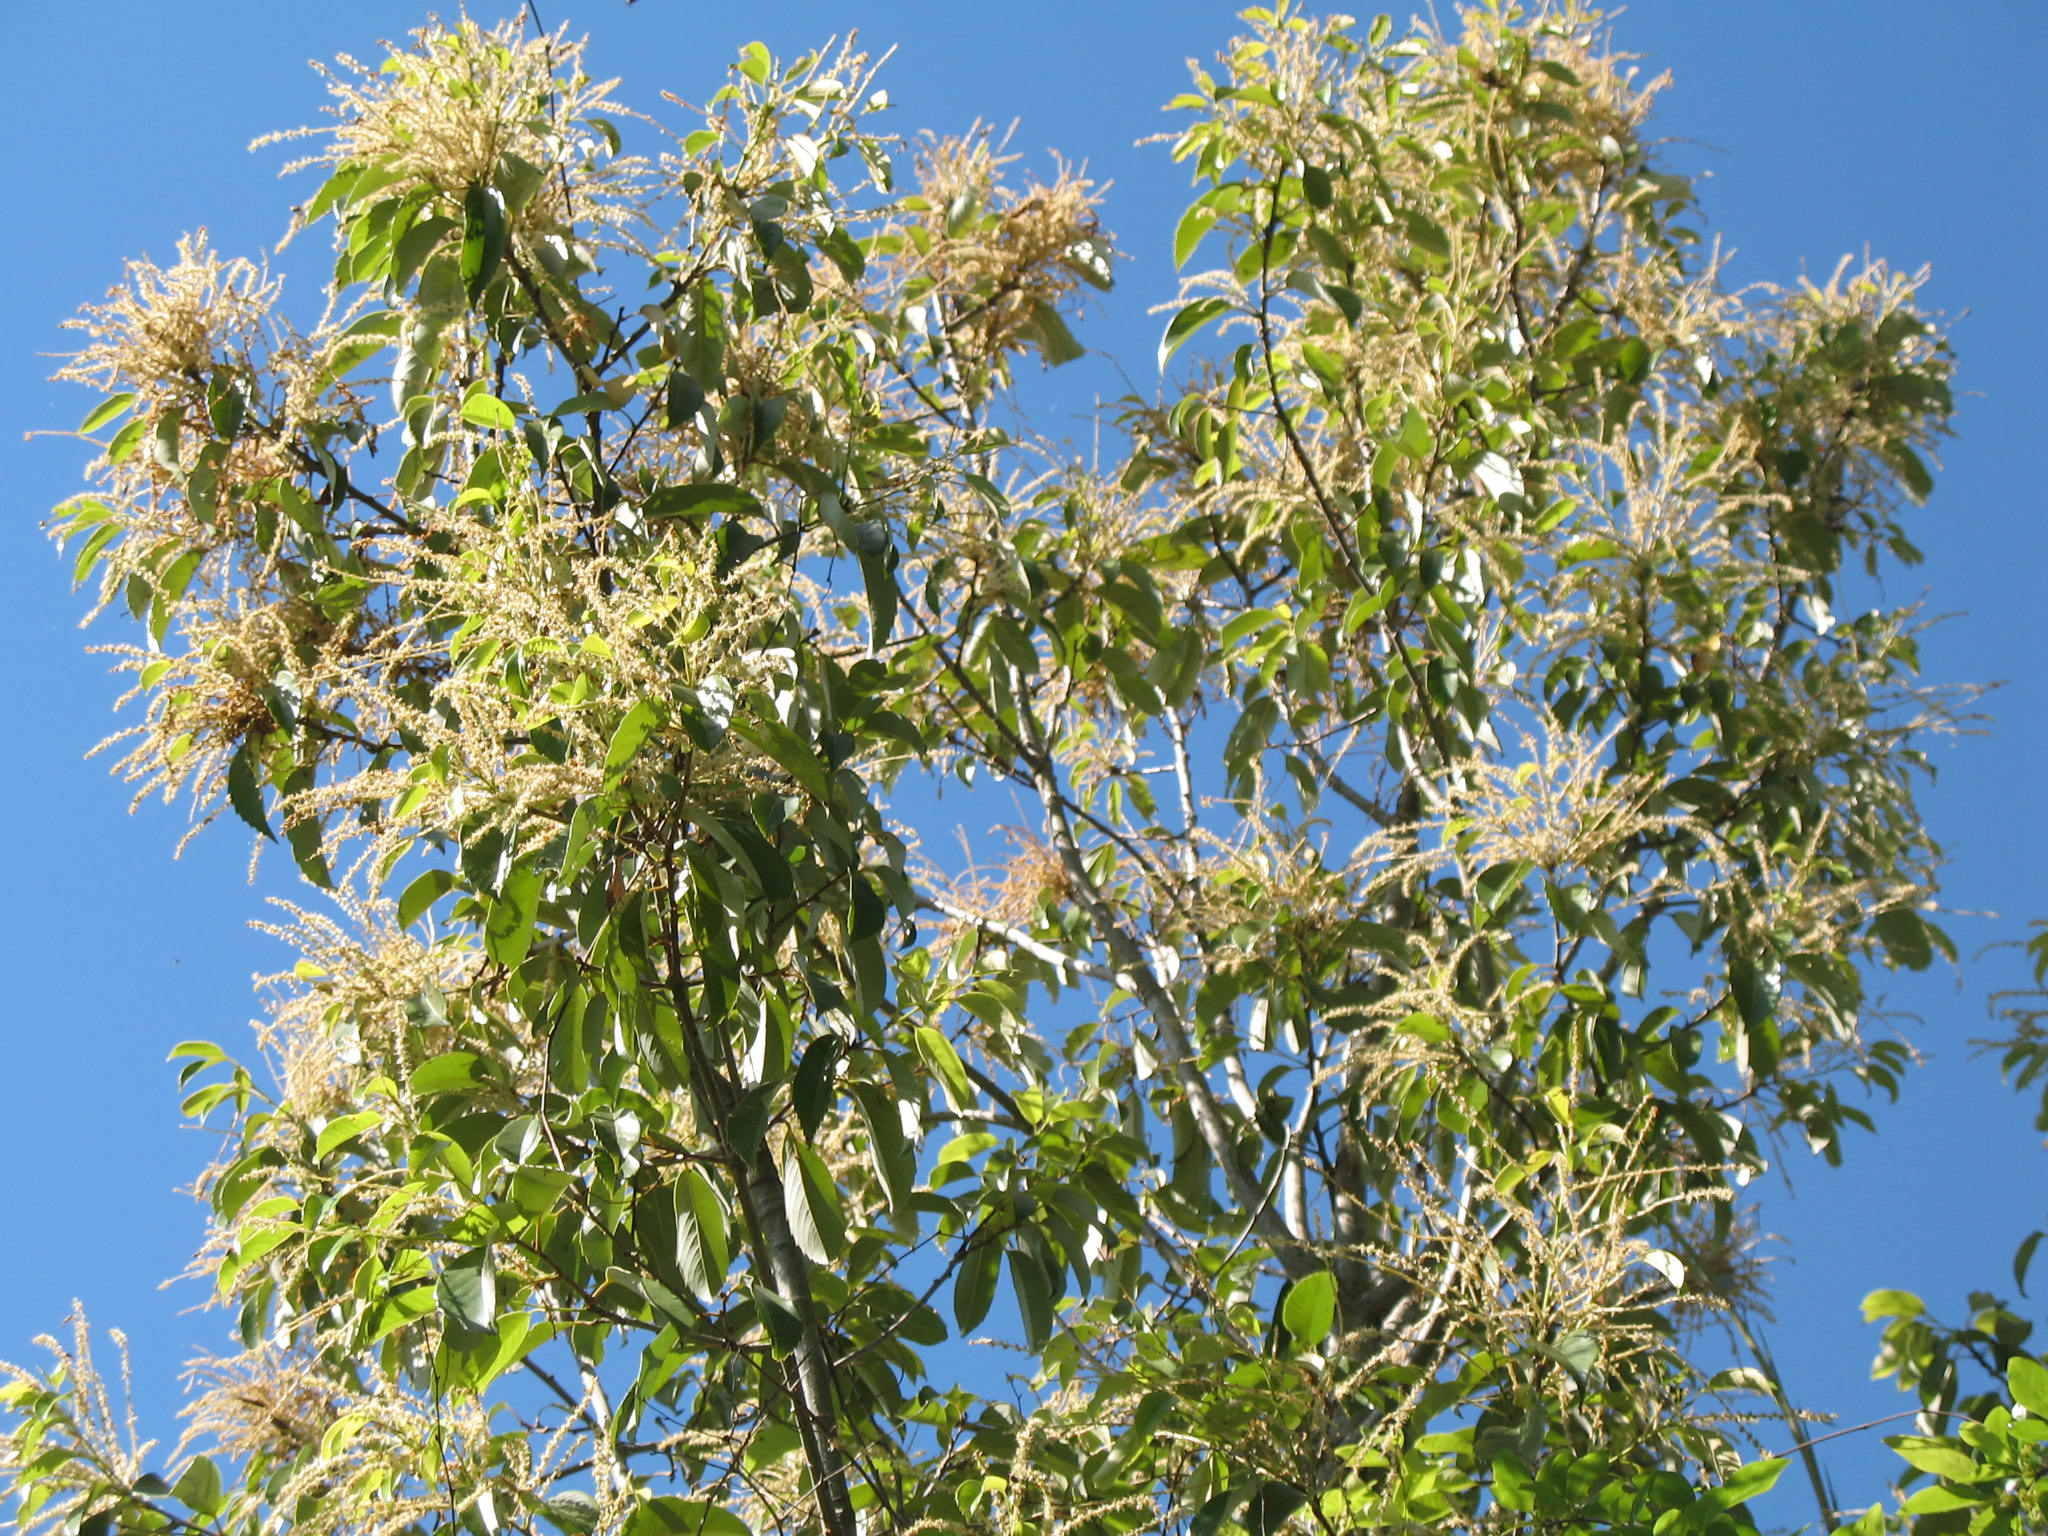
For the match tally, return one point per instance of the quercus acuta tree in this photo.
(1466, 776)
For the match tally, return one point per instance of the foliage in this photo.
(1468, 774)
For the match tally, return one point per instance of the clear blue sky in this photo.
(1826, 126)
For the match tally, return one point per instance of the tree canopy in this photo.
(1470, 773)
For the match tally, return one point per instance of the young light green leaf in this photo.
(106, 411)
(1310, 1310)
(2027, 1379)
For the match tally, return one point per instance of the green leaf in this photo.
(1577, 1351)
(702, 1252)
(1209, 1520)
(508, 928)
(1047, 327)
(1905, 938)
(421, 893)
(2023, 1258)
(785, 1327)
(573, 1513)
(226, 406)
(448, 1073)
(1939, 1500)
(665, 1515)
(483, 239)
(878, 574)
(1187, 320)
(811, 1201)
(703, 500)
(126, 441)
(1310, 1310)
(1892, 1304)
(486, 410)
(347, 1128)
(974, 1285)
(199, 1487)
(889, 1150)
(1747, 1482)
(1943, 1458)
(2028, 1381)
(1034, 1297)
(106, 411)
(640, 723)
(1271, 1508)
(1188, 234)
(938, 1055)
(811, 1090)
(870, 912)
(244, 793)
(467, 1297)
(1513, 1487)
(1091, 259)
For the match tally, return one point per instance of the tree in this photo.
(1468, 776)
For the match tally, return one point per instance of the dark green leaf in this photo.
(483, 239)
(1034, 1297)
(244, 792)
(812, 1089)
(702, 500)
(974, 1286)
(1271, 1508)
